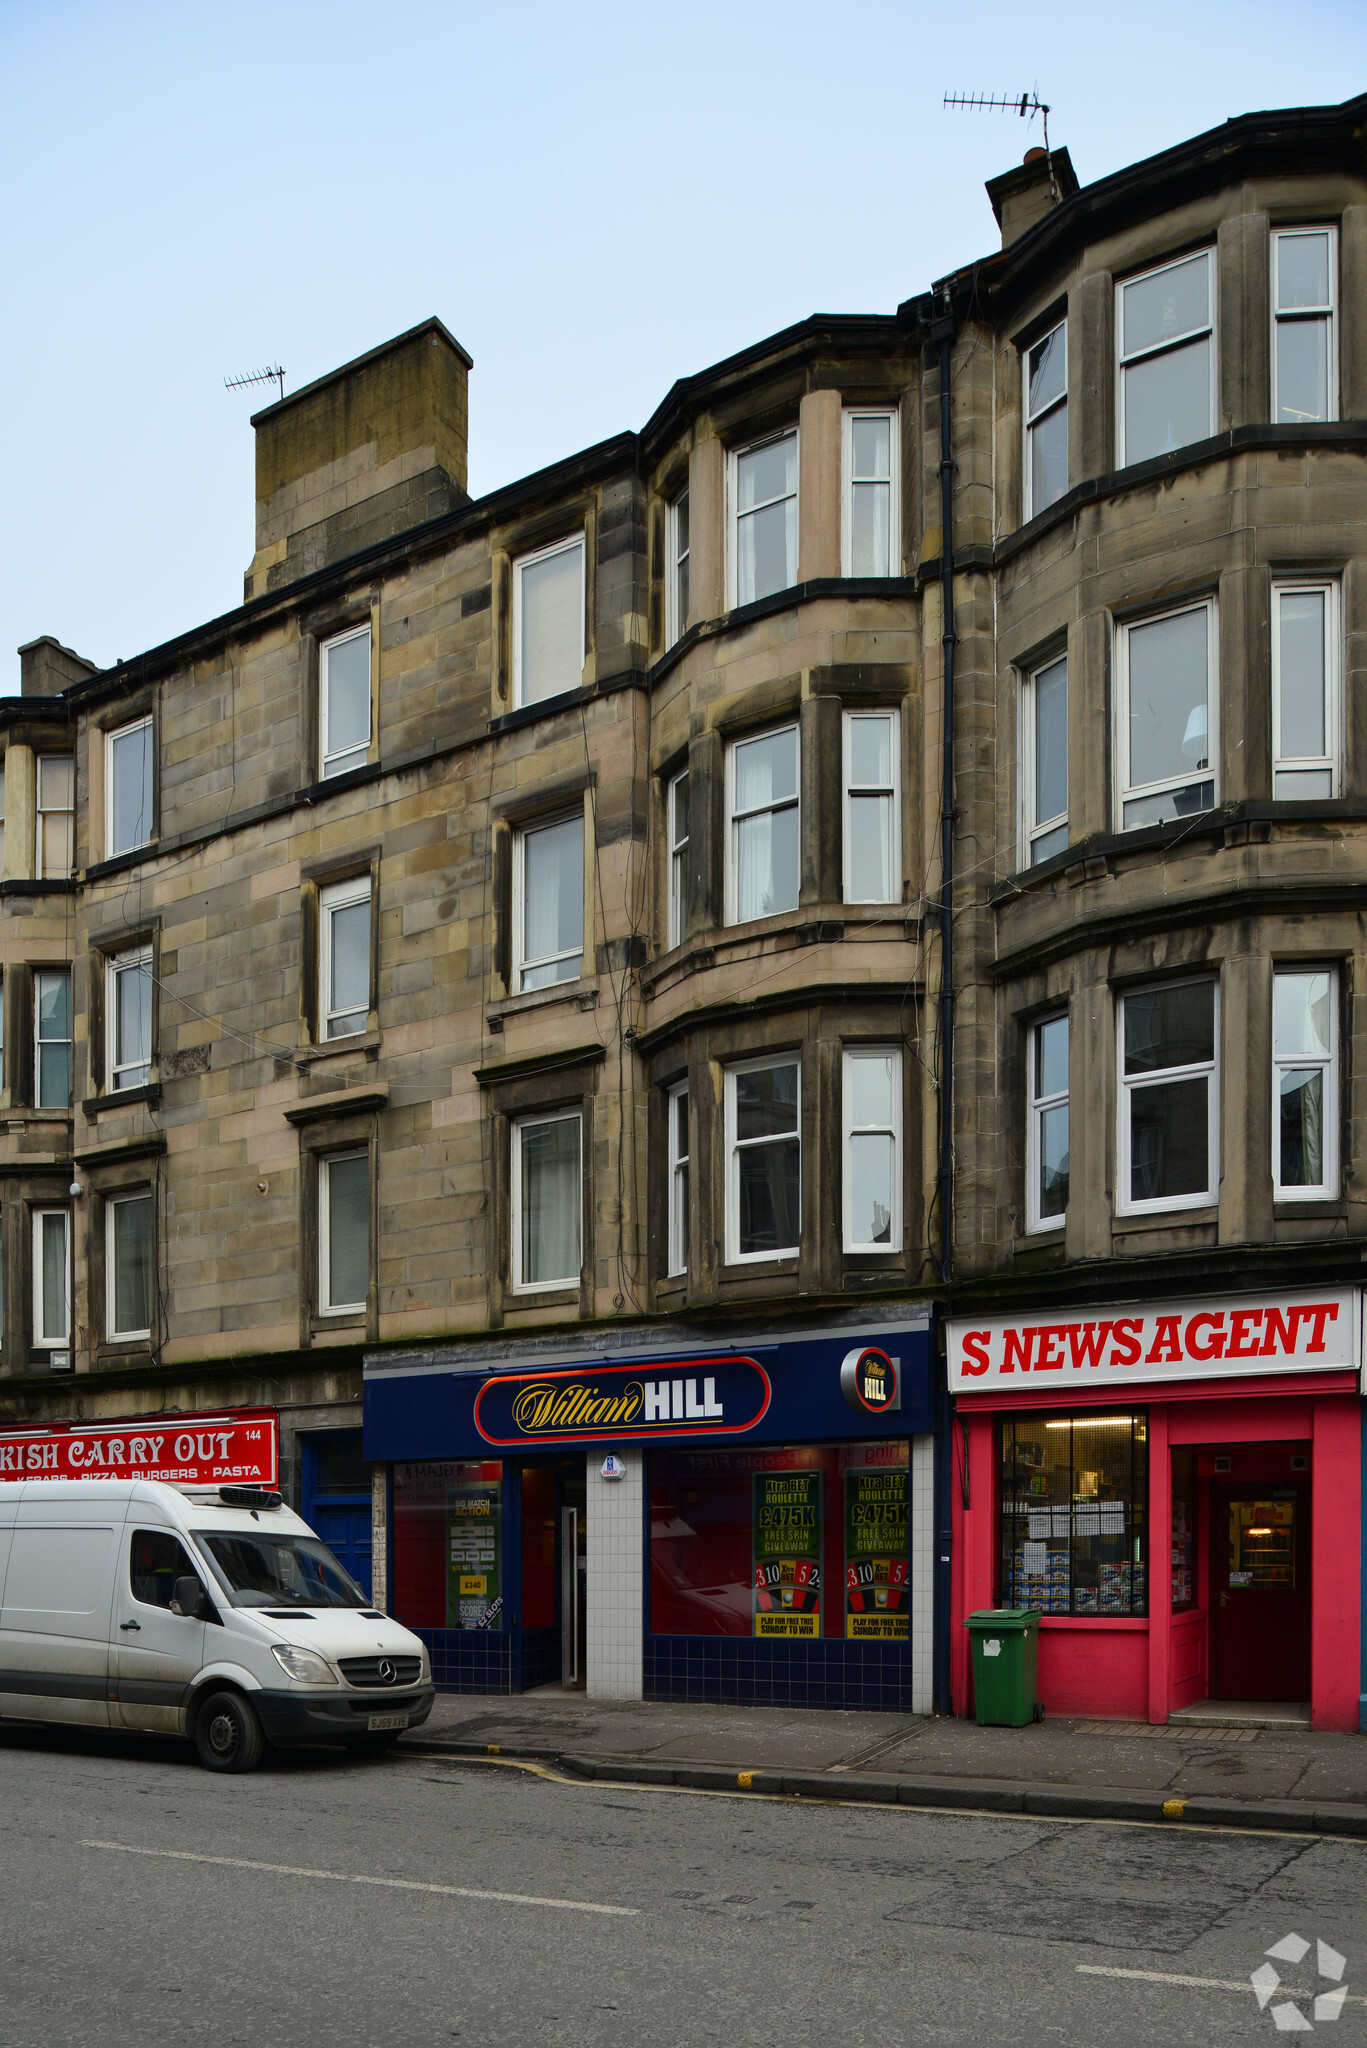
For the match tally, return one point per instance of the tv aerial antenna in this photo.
(272, 374)
(1027, 105)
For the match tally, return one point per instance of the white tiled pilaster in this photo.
(616, 1540)
(922, 1573)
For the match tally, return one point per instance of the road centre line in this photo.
(1201, 1983)
(402, 1884)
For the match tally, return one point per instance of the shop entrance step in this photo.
(1242, 1714)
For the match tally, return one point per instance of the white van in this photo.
(213, 1614)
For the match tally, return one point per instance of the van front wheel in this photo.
(227, 1733)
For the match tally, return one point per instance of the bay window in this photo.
(128, 787)
(1165, 328)
(676, 568)
(1167, 716)
(1304, 346)
(128, 1255)
(764, 1160)
(1044, 762)
(872, 1098)
(873, 840)
(1169, 1097)
(1045, 408)
(764, 518)
(676, 804)
(677, 1107)
(344, 702)
(1305, 690)
(1046, 1141)
(51, 1279)
(869, 524)
(547, 1201)
(763, 830)
(52, 1038)
(548, 904)
(1305, 1110)
(128, 1019)
(55, 847)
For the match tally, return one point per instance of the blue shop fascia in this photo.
(748, 1513)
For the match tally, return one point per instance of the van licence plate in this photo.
(377, 1723)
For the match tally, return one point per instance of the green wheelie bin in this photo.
(1005, 1654)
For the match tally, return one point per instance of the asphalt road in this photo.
(323, 1903)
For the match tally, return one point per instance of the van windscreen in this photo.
(280, 1571)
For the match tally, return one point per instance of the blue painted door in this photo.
(337, 1498)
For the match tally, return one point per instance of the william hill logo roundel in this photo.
(868, 1380)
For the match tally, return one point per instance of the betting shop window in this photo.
(1165, 324)
(1074, 1494)
(789, 1544)
(1045, 369)
(448, 1544)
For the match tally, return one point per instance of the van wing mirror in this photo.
(189, 1599)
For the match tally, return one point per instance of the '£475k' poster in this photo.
(787, 1541)
(876, 1555)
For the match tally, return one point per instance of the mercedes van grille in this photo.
(381, 1671)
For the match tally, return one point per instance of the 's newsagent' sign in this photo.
(1194, 1340)
(787, 1553)
(239, 1448)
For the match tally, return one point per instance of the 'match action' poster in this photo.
(787, 1545)
(876, 1555)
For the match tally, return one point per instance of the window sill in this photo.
(350, 1102)
(566, 1296)
(544, 707)
(583, 993)
(1309, 1209)
(367, 1042)
(1160, 1230)
(122, 1098)
(821, 924)
(763, 1266)
(120, 1351)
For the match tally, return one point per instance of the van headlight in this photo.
(425, 1674)
(305, 1665)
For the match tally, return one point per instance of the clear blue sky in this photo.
(595, 199)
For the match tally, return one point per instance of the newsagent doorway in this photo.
(1260, 1591)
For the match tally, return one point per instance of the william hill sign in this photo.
(682, 1398)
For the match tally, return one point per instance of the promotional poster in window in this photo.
(787, 1534)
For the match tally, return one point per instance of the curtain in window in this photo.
(133, 1265)
(348, 1231)
(550, 1201)
(55, 1304)
(553, 901)
(552, 625)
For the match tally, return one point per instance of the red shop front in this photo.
(1177, 1487)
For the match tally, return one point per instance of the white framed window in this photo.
(128, 1018)
(52, 1038)
(128, 1258)
(548, 621)
(128, 787)
(763, 833)
(1169, 1097)
(344, 719)
(548, 903)
(1165, 355)
(873, 809)
(51, 1279)
(763, 553)
(1306, 689)
(872, 1102)
(1044, 762)
(547, 1201)
(1304, 343)
(1167, 728)
(676, 1103)
(676, 568)
(343, 1233)
(676, 810)
(1044, 373)
(344, 963)
(55, 850)
(1305, 1106)
(871, 543)
(1046, 1129)
(763, 1160)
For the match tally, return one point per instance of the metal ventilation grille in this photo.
(381, 1671)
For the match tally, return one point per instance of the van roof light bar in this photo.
(249, 1497)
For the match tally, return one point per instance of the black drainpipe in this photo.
(942, 331)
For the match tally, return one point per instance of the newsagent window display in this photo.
(789, 1544)
(1073, 1500)
(448, 1543)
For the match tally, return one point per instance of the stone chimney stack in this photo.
(46, 668)
(1021, 197)
(364, 453)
